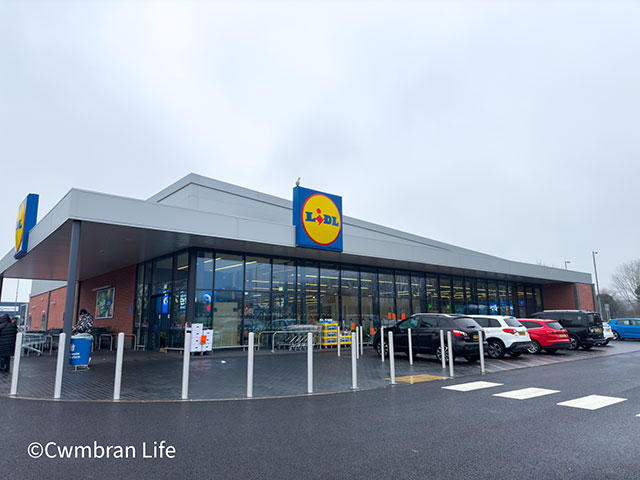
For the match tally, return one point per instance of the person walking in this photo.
(85, 322)
(8, 332)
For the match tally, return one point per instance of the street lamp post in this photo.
(566, 262)
(595, 269)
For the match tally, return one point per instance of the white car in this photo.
(504, 335)
(608, 333)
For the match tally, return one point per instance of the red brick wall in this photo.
(558, 296)
(124, 281)
(38, 306)
(585, 291)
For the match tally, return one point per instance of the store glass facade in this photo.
(237, 293)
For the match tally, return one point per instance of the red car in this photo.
(545, 335)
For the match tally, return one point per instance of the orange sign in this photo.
(203, 339)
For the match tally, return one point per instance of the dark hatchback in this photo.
(584, 327)
(425, 335)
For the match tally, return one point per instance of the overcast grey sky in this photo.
(507, 127)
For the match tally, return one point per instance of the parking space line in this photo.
(467, 387)
(526, 393)
(592, 402)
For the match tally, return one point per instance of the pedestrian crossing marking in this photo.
(526, 393)
(419, 378)
(467, 387)
(592, 402)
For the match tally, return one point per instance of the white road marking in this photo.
(592, 402)
(526, 393)
(467, 387)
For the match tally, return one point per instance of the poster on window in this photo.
(104, 302)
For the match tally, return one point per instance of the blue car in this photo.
(625, 328)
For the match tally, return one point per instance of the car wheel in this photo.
(606, 342)
(495, 349)
(379, 349)
(534, 347)
(575, 343)
(473, 358)
(439, 353)
(551, 350)
(515, 354)
(616, 336)
(587, 347)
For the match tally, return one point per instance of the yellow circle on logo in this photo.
(20, 226)
(321, 219)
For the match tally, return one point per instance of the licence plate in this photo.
(521, 334)
(562, 335)
(475, 337)
(597, 330)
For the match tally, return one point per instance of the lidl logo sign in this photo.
(27, 217)
(317, 217)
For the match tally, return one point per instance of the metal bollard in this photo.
(354, 363)
(339, 338)
(392, 360)
(118, 375)
(357, 332)
(57, 390)
(450, 345)
(17, 352)
(309, 362)
(250, 367)
(382, 342)
(410, 347)
(480, 335)
(185, 365)
(444, 360)
(361, 340)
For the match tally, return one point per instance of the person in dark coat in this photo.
(8, 332)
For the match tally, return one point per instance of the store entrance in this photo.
(159, 321)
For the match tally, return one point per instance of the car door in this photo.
(400, 336)
(624, 329)
(634, 328)
(426, 334)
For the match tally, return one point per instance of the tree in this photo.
(626, 281)
(616, 308)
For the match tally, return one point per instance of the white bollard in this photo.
(444, 360)
(57, 390)
(392, 360)
(361, 340)
(382, 342)
(17, 353)
(117, 381)
(354, 363)
(450, 345)
(309, 362)
(357, 332)
(410, 347)
(250, 367)
(339, 338)
(480, 335)
(185, 365)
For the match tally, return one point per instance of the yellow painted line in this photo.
(419, 378)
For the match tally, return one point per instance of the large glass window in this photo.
(369, 299)
(387, 302)
(255, 313)
(308, 275)
(481, 292)
(283, 299)
(418, 289)
(330, 293)
(204, 288)
(522, 305)
(257, 274)
(403, 295)
(350, 290)
(492, 292)
(458, 296)
(433, 293)
(470, 296)
(531, 303)
(537, 294)
(445, 293)
(227, 318)
(162, 271)
(503, 299)
(179, 305)
(229, 272)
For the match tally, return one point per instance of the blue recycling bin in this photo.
(80, 350)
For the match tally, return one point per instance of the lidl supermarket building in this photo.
(231, 258)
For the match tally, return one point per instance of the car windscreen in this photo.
(555, 325)
(594, 319)
(512, 322)
(464, 322)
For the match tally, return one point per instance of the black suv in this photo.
(425, 335)
(584, 327)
